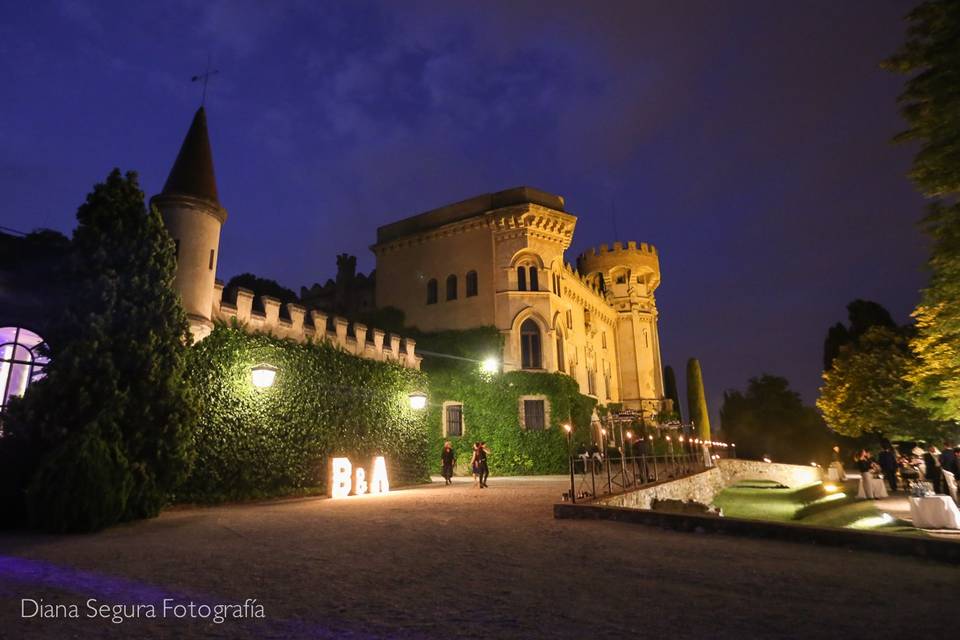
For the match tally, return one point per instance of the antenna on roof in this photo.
(205, 76)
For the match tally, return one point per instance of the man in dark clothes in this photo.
(932, 468)
(888, 464)
(948, 460)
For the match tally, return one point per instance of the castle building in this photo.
(498, 259)
(190, 207)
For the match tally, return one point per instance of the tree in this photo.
(260, 287)
(930, 103)
(697, 399)
(107, 433)
(770, 419)
(862, 314)
(670, 389)
(865, 391)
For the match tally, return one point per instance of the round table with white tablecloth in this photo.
(934, 512)
(871, 487)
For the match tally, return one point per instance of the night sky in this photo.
(749, 141)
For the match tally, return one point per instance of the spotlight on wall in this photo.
(490, 365)
(263, 375)
(567, 428)
(418, 400)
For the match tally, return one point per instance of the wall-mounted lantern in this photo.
(418, 400)
(263, 376)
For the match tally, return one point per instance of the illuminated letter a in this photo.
(378, 481)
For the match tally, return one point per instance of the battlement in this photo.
(619, 249)
(354, 338)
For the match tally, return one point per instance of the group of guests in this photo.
(478, 463)
(926, 465)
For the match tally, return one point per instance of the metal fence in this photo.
(594, 475)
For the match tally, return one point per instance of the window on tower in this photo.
(451, 287)
(432, 291)
(471, 283)
(521, 278)
(530, 355)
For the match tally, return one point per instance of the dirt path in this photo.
(458, 562)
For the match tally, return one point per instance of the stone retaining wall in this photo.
(704, 486)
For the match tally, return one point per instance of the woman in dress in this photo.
(448, 458)
(482, 452)
(475, 464)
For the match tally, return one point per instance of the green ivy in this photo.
(491, 414)
(324, 402)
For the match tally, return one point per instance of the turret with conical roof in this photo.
(191, 210)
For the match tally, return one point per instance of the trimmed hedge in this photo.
(491, 414)
(265, 442)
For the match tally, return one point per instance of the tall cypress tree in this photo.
(110, 425)
(930, 103)
(670, 389)
(697, 399)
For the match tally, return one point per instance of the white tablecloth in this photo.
(934, 512)
(871, 487)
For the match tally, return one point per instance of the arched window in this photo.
(534, 284)
(21, 362)
(471, 283)
(451, 287)
(560, 359)
(521, 278)
(432, 291)
(530, 345)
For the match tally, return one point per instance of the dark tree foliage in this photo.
(862, 315)
(697, 400)
(770, 419)
(670, 389)
(106, 435)
(260, 287)
(930, 103)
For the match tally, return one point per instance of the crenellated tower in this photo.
(627, 277)
(191, 211)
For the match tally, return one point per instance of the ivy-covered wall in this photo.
(261, 442)
(491, 414)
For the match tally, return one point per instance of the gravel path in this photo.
(459, 562)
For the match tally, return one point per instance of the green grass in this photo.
(810, 505)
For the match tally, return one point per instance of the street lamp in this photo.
(263, 375)
(418, 400)
(568, 429)
(490, 365)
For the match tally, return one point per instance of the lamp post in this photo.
(633, 461)
(569, 432)
(606, 460)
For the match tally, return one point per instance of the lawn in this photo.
(811, 505)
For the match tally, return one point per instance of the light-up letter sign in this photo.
(339, 484)
(344, 479)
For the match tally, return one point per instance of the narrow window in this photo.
(454, 420)
(569, 319)
(603, 339)
(521, 279)
(534, 284)
(530, 345)
(471, 283)
(432, 291)
(560, 364)
(592, 383)
(451, 287)
(534, 416)
(211, 259)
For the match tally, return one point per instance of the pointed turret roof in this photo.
(192, 173)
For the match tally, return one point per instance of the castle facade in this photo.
(499, 259)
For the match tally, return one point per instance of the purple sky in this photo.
(749, 141)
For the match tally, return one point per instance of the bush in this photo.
(86, 461)
(262, 442)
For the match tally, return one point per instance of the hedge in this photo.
(491, 414)
(264, 442)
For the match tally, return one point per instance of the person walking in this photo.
(475, 464)
(948, 460)
(837, 466)
(448, 457)
(482, 452)
(888, 464)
